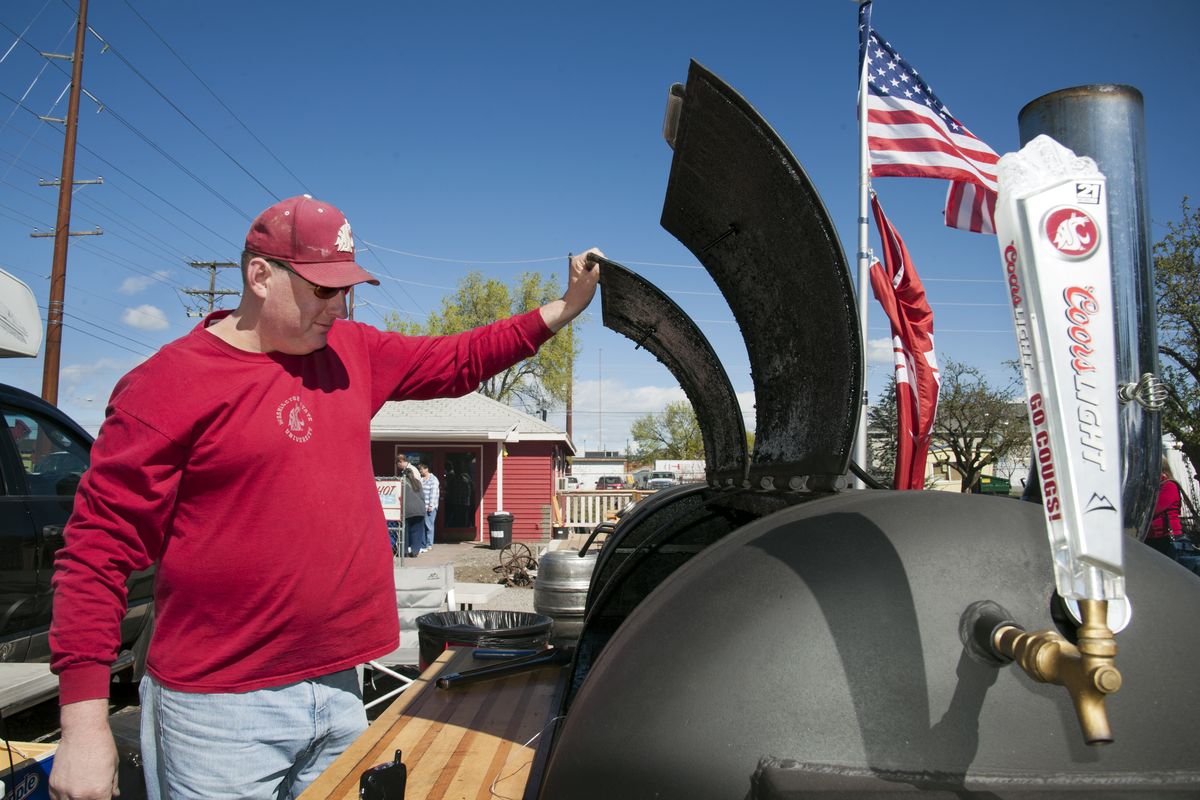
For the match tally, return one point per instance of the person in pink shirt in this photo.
(237, 461)
(1164, 524)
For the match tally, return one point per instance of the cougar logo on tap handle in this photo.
(1072, 232)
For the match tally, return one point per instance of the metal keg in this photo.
(560, 591)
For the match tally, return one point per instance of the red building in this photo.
(487, 457)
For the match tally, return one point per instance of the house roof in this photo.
(469, 418)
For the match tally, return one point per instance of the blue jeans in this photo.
(267, 744)
(414, 534)
(429, 518)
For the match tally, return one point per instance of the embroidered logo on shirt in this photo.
(295, 419)
(345, 239)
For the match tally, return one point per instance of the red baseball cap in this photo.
(310, 236)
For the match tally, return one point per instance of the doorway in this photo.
(459, 482)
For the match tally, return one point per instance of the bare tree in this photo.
(977, 424)
(1177, 289)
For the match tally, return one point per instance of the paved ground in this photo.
(478, 563)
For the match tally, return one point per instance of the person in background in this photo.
(414, 514)
(404, 467)
(237, 461)
(430, 490)
(1164, 525)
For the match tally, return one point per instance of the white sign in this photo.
(391, 497)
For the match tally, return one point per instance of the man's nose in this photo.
(338, 301)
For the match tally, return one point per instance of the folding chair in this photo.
(419, 590)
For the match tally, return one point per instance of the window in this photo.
(52, 458)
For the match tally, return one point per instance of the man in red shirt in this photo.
(237, 459)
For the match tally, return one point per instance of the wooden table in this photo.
(472, 742)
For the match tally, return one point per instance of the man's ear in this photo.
(258, 276)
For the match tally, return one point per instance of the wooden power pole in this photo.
(212, 292)
(62, 228)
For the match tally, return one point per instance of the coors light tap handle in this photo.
(1052, 229)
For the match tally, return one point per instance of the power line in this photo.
(146, 139)
(180, 112)
(217, 97)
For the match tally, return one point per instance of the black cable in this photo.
(865, 477)
(181, 113)
(217, 97)
(122, 172)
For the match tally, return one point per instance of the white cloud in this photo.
(879, 351)
(146, 318)
(140, 283)
(605, 418)
(84, 388)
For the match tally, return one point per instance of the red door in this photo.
(459, 489)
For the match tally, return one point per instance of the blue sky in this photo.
(459, 135)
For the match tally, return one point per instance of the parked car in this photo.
(662, 479)
(610, 482)
(43, 455)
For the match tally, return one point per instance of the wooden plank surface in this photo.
(458, 744)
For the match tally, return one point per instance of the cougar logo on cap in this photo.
(345, 240)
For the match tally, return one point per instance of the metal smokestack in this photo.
(1105, 122)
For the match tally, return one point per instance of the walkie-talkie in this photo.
(384, 782)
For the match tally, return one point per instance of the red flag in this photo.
(911, 134)
(899, 291)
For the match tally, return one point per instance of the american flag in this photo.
(911, 134)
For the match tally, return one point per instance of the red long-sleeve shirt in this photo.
(247, 477)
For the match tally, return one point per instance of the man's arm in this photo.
(581, 287)
(85, 764)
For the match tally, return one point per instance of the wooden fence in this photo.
(583, 510)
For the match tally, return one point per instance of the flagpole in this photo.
(864, 189)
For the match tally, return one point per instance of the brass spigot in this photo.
(1087, 671)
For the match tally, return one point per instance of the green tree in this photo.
(1177, 290)
(881, 434)
(977, 424)
(674, 433)
(537, 382)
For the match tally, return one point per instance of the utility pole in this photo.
(570, 378)
(212, 292)
(62, 227)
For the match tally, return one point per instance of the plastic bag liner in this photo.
(504, 629)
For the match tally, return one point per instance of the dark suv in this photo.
(43, 454)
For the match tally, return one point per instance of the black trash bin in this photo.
(500, 529)
(510, 630)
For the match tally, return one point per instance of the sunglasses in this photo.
(322, 292)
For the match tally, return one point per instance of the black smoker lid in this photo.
(635, 308)
(741, 203)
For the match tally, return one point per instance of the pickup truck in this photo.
(662, 479)
(43, 455)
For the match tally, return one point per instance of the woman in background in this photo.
(1165, 529)
(414, 514)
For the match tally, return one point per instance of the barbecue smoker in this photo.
(770, 634)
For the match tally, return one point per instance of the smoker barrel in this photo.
(818, 648)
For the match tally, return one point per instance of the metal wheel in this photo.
(516, 560)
